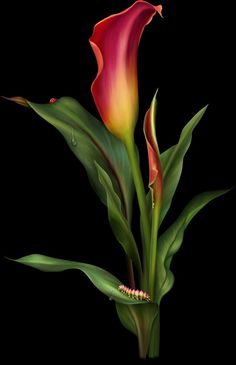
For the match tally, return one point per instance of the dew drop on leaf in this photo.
(73, 139)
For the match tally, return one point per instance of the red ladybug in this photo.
(52, 100)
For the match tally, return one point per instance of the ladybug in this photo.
(52, 100)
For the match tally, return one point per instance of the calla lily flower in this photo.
(115, 42)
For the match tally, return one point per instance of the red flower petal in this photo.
(115, 42)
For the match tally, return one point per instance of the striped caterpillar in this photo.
(134, 293)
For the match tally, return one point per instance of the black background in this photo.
(48, 207)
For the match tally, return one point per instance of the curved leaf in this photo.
(126, 316)
(165, 156)
(90, 141)
(172, 162)
(117, 220)
(104, 281)
(171, 240)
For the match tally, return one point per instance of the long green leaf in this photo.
(104, 281)
(171, 240)
(172, 162)
(117, 220)
(90, 141)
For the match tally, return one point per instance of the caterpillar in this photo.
(134, 293)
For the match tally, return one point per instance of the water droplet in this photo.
(153, 205)
(73, 139)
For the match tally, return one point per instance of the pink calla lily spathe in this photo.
(115, 42)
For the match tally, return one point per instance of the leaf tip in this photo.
(205, 108)
(18, 100)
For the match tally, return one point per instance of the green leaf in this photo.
(171, 241)
(101, 279)
(127, 318)
(118, 222)
(90, 141)
(172, 162)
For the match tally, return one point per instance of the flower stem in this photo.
(138, 182)
(154, 346)
(153, 248)
(142, 344)
(130, 269)
(142, 331)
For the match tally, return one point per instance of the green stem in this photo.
(138, 182)
(142, 345)
(153, 249)
(130, 269)
(154, 346)
(141, 332)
